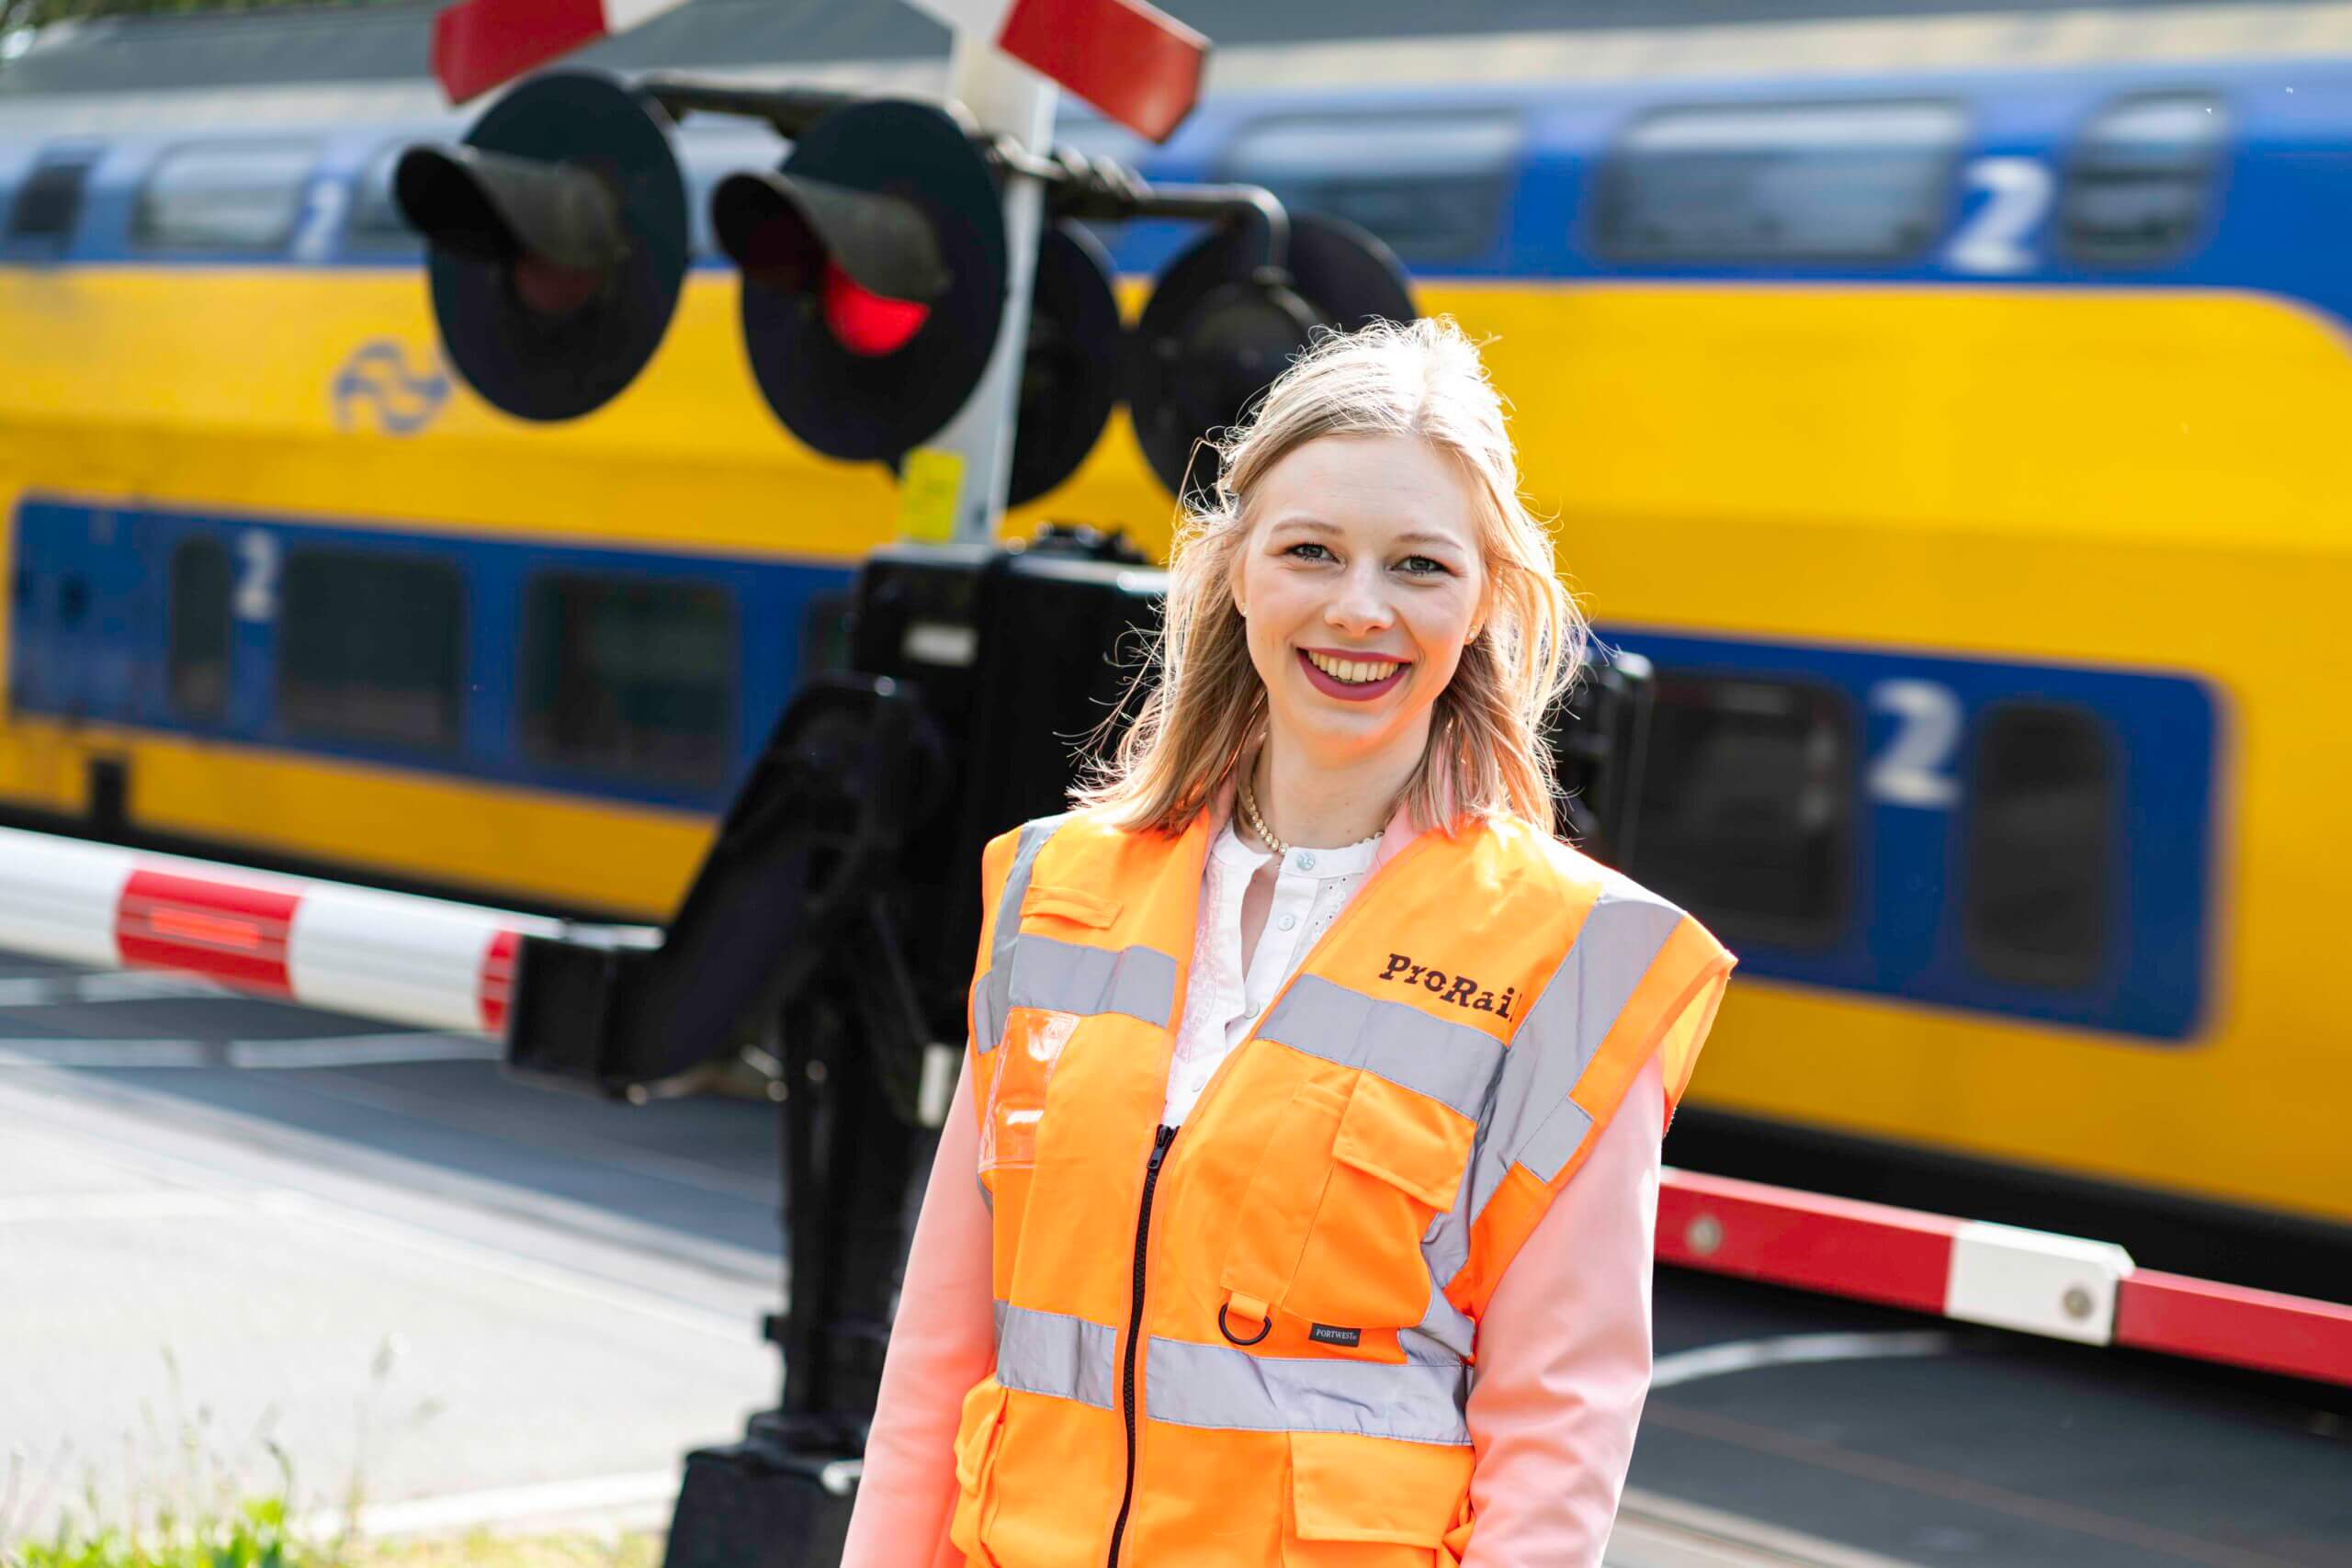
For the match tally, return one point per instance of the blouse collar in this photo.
(1349, 860)
(1393, 839)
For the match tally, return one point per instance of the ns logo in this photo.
(376, 389)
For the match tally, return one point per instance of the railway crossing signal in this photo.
(1225, 321)
(557, 234)
(883, 262)
(875, 267)
(873, 275)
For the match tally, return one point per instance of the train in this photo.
(1950, 407)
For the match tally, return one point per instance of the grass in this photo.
(190, 1499)
(257, 1534)
(483, 1549)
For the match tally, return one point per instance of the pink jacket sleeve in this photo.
(943, 1341)
(1563, 1356)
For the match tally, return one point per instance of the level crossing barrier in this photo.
(2003, 1276)
(422, 963)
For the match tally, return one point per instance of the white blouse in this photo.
(1226, 992)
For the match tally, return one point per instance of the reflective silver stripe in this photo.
(1217, 1385)
(1050, 1353)
(1443, 1338)
(988, 1004)
(1533, 1122)
(1554, 1139)
(1069, 976)
(1451, 1062)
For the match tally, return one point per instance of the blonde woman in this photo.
(1295, 1205)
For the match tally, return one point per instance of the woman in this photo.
(1316, 1090)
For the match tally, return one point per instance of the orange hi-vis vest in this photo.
(1248, 1340)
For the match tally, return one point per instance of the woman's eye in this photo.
(1421, 566)
(1320, 553)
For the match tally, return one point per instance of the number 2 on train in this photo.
(1914, 767)
(2016, 196)
(256, 576)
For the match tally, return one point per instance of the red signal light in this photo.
(866, 322)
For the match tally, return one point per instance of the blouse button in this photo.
(1287, 922)
(1306, 860)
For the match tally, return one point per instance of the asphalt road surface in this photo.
(232, 1231)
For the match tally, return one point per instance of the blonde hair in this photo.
(1487, 752)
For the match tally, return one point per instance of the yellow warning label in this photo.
(930, 484)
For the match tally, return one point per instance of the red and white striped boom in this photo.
(1967, 1270)
(425, 963)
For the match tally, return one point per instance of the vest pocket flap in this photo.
(1344, 1487)
(975, 1433)
(1405, 1139)
(1069, 904)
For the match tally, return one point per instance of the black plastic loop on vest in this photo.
(1266, 1327)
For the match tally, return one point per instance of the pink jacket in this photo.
(1562, 1355)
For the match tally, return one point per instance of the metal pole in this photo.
(973, 455)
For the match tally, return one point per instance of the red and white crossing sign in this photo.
(481, 44)
(1127, 58)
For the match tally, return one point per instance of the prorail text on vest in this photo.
(1459, 989)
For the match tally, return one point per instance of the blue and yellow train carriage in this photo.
(1962, 448)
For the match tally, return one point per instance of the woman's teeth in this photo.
(1355, 671)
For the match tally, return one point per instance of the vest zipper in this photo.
(1160, 1141)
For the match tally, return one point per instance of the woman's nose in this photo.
(1359, 606)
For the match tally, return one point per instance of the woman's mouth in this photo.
(1352, 679)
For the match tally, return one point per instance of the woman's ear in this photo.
(1486, 611)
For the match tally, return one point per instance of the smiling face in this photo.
(1359, 580)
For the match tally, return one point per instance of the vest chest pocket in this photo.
(1331, 1230)
(1018, 1076)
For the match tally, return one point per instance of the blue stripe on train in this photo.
(89, 636)
(1915, 721)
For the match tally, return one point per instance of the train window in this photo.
(1747, 808)
(2041, 814)
(370, 647)
(1805, 182)
(377, 224)
(196, 670)
(1435, 186)
(233, 197)
(48, 204)
(629, 676)
(2142, 178)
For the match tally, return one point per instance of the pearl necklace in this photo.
(1258, 824)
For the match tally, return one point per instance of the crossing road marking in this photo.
(170, 1203)
(1795, 1349)
(131, 985)
(326, 1051)
(106, 1053)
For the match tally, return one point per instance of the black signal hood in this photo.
(555, 238)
